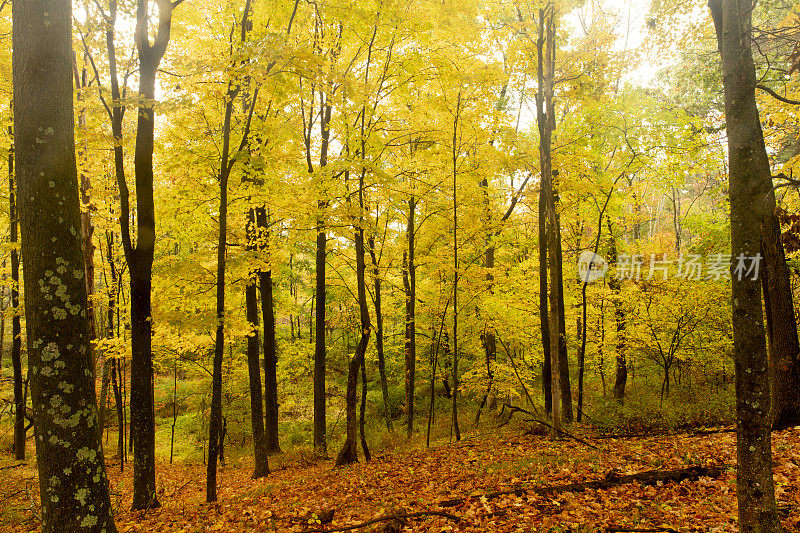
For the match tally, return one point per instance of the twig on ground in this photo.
(513, 409)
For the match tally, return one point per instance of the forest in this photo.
(399, 265)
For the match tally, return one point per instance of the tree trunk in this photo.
(320, 397)
(349, 451)
(749, 185)
(387, 410)
(16, 328)
(546, 123)
(614, 283)
(410, 287)
(260, 453)
(270, 362)
(455, 151)
(783, 345)
(69, 452)
(563, 361)
(543, 306)
(140, 258)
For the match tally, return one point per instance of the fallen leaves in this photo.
(401, 490)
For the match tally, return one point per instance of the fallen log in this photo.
(651, 477)
(400, 517)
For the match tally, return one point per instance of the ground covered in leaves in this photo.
(304, 494)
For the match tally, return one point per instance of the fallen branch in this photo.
(13, 466)
(397, 517)
(651, 477)
(653, 530)
(514, 409)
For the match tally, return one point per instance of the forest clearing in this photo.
(399, 265)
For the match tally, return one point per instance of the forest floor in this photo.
(408, 479)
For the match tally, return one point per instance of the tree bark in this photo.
(349, 452)
(620, 317)
(379, 335)
(70, 462)
(260, 453)
(783, 346)
(749, 185)
(140, 257)
(563, 361)
(16, 328)
(270, 348)
(320, 397)
(546, 123)
(410, 288)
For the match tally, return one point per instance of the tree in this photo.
(140, 256)
(750, 178)
(216, 431)
(72, 478)
(20, 408)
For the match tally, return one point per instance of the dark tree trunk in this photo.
(749, 187)
(621, 372)
(320, 397)
(215, 426)
(260, 453)
(140, 257)
(543, 306)
(379, 335)
(349, 451)
(566, 387)
(68, 448)
(783, 345)
(16, 328)
(546, 123)
(410, 287)
(455, 151)
(270, 362)
(363, 412)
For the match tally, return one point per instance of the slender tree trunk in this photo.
(215, 421)
(620, 318)
(410, 287)
(749, 185)
(253, 362)
(140, 258)
(16, 328)
(349, 451)
(379, 335)
(563, 361)
(320, 397)
(456, 429)
(68, 448)
(270, 348)
(544, 312)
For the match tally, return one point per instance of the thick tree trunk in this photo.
(749, 186)
(783, 345)
(69, 452)
(546, 123)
